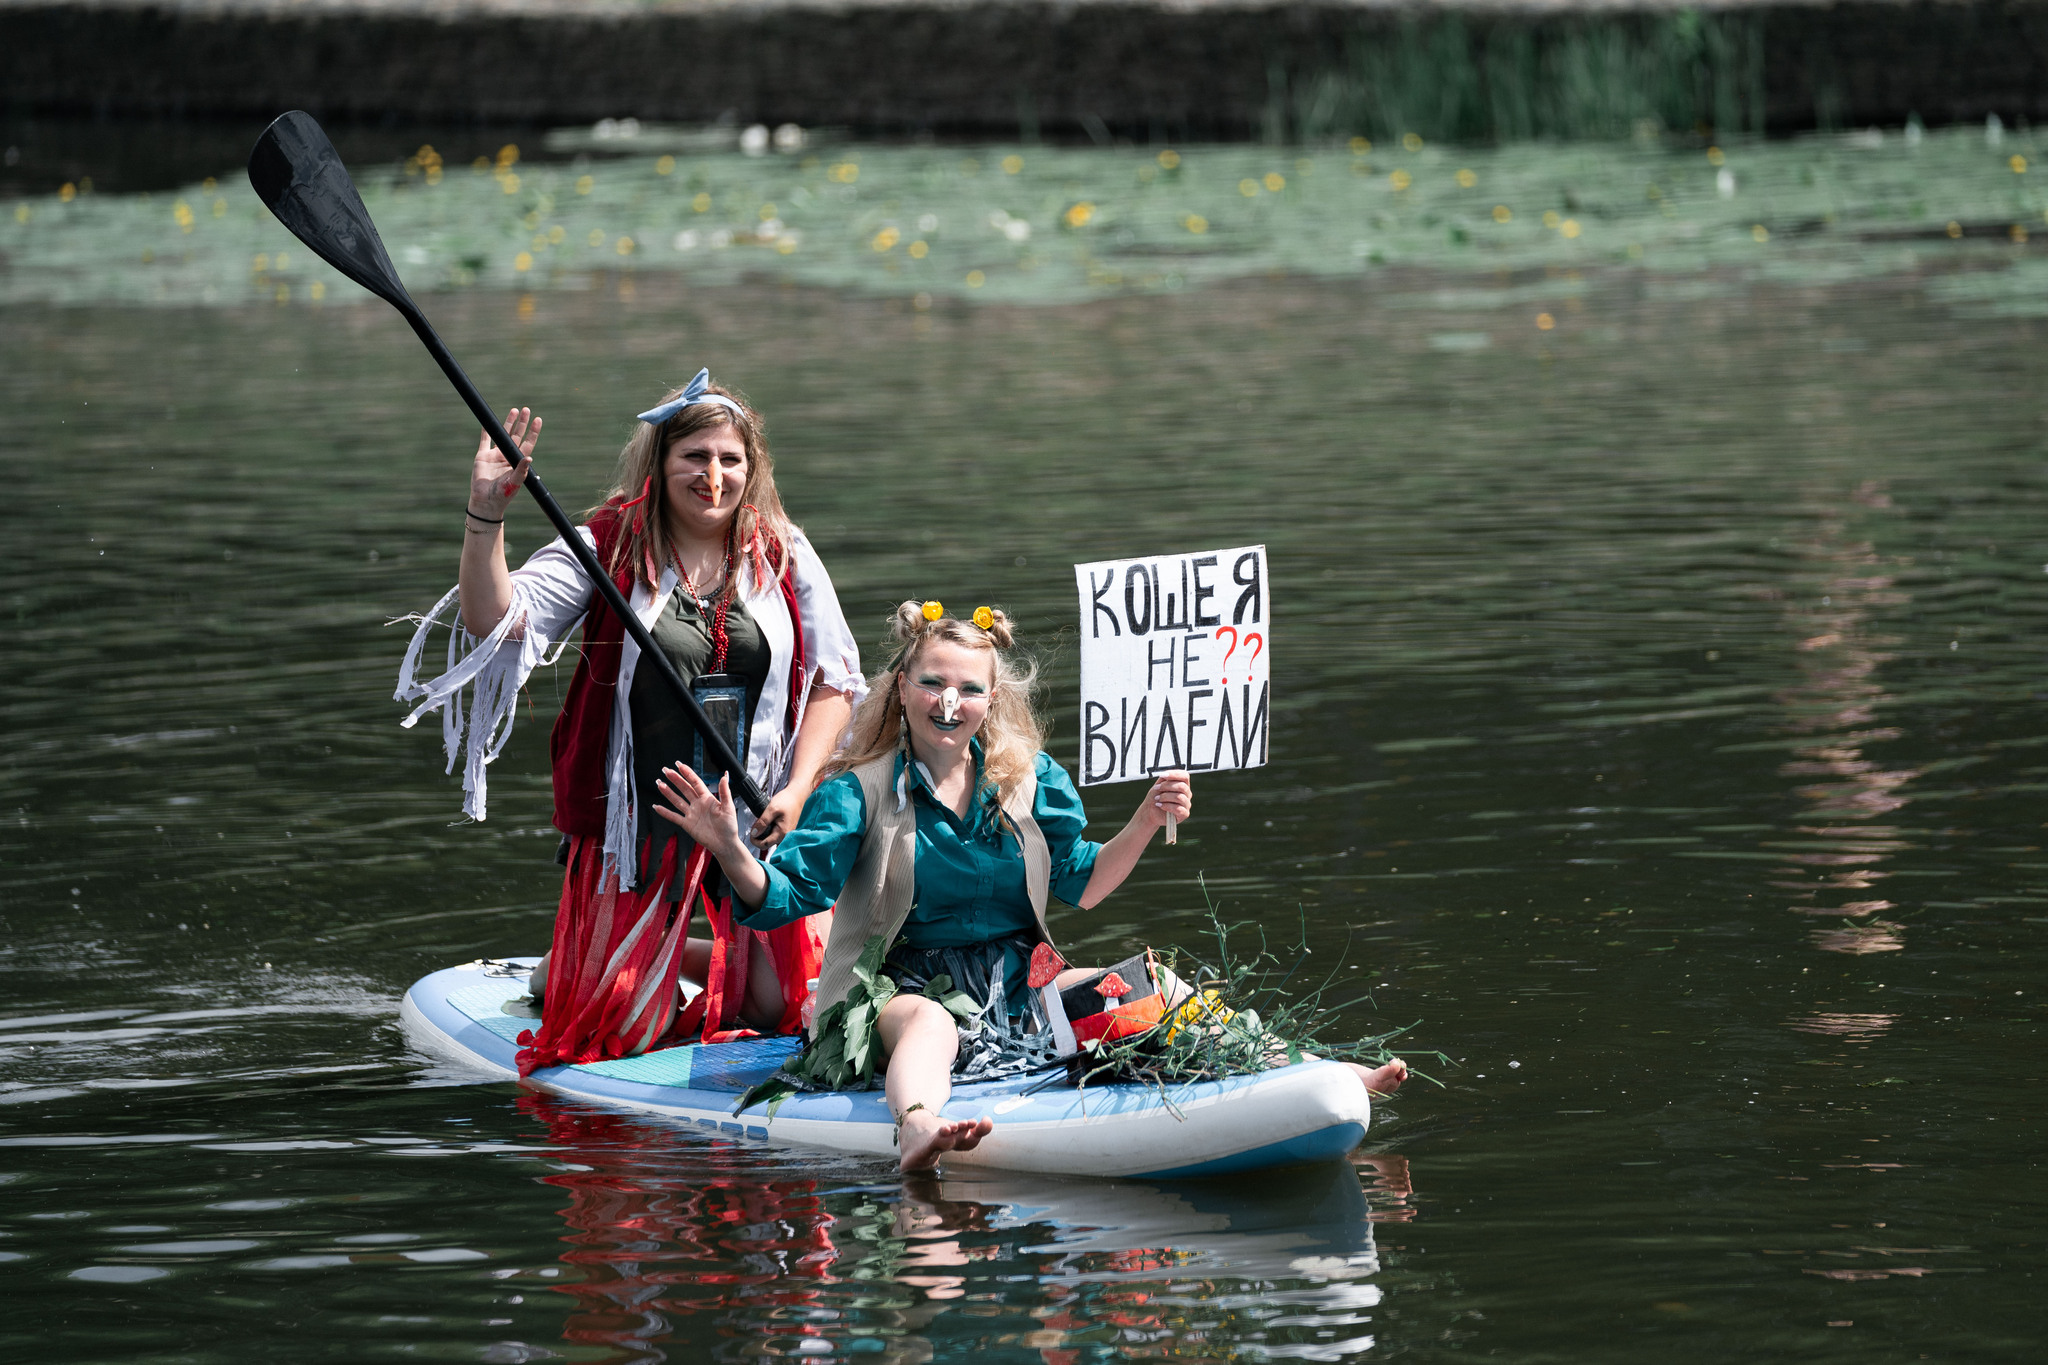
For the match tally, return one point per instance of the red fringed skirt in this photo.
(611, 988)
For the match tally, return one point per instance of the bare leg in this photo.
(537, 984)
(1381, 1081)
(919, 1040)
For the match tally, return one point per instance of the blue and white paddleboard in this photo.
(471, 1015)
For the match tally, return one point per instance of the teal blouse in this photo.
(970, 872)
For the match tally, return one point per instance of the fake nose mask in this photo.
(949, 704)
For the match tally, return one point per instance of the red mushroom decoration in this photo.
(1112, 987)
(1046, 964)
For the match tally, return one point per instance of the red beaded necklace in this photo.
(721, 643)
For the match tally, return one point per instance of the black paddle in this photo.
(297, 172)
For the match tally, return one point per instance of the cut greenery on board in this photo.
(1247, 1014)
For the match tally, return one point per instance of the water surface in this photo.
(1658, 724)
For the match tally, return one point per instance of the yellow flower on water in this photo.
(1400, 180)
(1012, 164)
(1195, 223)
(181, 213)
(596, 237)
(1715, 156)
(1569, 227)
(1501, 213)
(918, 250)
(1467, 179)
(933, 611)
(1248, 188)
(2018, 164)
(1169, 159)
(556, 234)
(665, 166)
(1550, 219)
(1955, 229)
(318, 291)
(1275, 182)
(701, 203)
(1412, 141)
(68, 193)
(1760, 233)
(508, 156)
(1544, 322)
(1360, 146)
(22, 213)
(845, 173)
(261, 263)
(625, 246)
(584, 184)
(984, 618)
(523, 262)
(509, 183)
(2018, 232)
(975, 279)
(885, 239)
(1079, 214)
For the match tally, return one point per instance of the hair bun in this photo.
(999, 628)
(906, 621)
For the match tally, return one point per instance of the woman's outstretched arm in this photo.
(486, 583)
(1172, 795)
(811, 864)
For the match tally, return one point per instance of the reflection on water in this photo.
(1837, 590)
(674, 1239)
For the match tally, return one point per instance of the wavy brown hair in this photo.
(760, 530)
(1011, 733)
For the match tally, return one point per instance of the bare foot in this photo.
(1381, 1080)
(926, 1137)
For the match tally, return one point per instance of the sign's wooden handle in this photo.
(1172, 830)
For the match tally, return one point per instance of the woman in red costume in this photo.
(695, 537)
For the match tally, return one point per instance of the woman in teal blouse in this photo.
(944, 828)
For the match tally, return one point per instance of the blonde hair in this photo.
(1011, 733)
(760, 530)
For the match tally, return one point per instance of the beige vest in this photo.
(879, 890)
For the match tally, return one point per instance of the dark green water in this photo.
(1659, 724)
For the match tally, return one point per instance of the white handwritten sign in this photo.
(1176, 664)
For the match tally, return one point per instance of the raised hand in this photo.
(1172, 797)
(492, 482)
(706, 816)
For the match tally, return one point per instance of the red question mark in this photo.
(1228, 652)
(1257, 643)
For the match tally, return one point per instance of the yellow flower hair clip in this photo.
(984, 618)
(933, 611)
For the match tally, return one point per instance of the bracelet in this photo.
(499, 522)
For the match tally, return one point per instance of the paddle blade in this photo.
(297, 172)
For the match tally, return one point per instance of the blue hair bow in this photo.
(693, 392)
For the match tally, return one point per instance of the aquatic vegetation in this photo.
(1503, 77)
(1042, 225)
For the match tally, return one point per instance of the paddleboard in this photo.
(471, 1015)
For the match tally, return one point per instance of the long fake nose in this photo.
(949, 704)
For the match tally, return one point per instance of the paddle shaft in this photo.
(714, 742)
